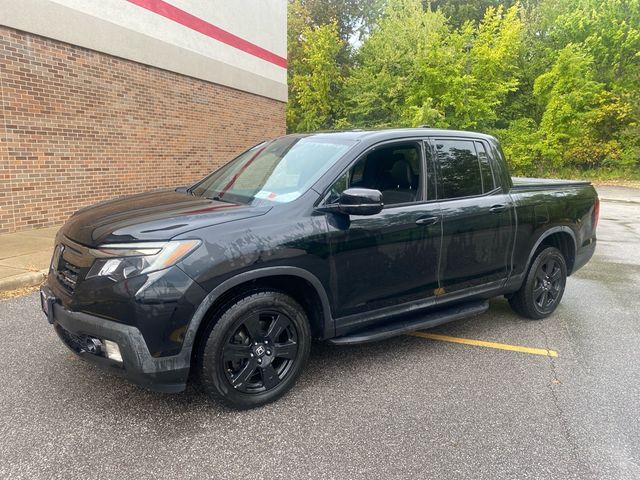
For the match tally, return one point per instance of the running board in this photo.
(422, 322)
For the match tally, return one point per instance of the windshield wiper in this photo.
(188, 190)
(218, 198)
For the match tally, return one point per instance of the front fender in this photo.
(217, 292)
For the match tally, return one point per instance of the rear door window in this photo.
(460, 174)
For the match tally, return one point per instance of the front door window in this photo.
(393, 170)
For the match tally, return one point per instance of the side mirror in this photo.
(182, 189)
(357, 201)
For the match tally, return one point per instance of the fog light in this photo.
(112, 350)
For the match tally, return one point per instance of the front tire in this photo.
(254, 351)
(543, 287)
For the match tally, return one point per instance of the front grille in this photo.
(68, 275)
(70, 263)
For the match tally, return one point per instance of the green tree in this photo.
(570, 98)
(317, 80)
(578, 127)
(461, 11)
(609, 30)
(384, 71)
(354, 18)
(415, 68)
(557, 81)
(351, 19)
(521, 142)
(490, 70)
(580, 59)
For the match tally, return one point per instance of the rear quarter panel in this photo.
(552, 209)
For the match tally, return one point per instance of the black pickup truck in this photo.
(345, 237)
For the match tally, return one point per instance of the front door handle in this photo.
(498, 208)
(426, 221)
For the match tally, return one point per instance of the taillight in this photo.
(596, 212)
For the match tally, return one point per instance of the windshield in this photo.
(277, 171)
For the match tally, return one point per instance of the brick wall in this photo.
(78, 126)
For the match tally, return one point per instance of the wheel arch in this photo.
(561, 237)
(308, 291)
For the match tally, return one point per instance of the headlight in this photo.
(119, 261)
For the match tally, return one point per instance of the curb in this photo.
(618, 200)
(27, 279)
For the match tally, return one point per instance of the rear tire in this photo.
(543, 287)
(254, 350)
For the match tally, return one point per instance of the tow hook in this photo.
(93, 345)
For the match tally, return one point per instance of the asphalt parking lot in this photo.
(409, 407)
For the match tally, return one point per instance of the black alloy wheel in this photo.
(547, 283)
(543, 287)
(261, 351)
(254, 349)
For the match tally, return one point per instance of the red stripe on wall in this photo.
(194, 23)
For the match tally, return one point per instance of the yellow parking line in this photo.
(482, 343)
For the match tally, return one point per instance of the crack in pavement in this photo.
(566, 431)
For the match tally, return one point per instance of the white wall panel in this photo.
(127, 30)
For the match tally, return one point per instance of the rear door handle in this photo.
(498, 208)
(426, 221)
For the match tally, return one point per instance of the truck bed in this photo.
(527, 183)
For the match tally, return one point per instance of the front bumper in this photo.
(163, 374)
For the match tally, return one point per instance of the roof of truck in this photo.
(392, 133)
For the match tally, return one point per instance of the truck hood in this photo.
(151, 217)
